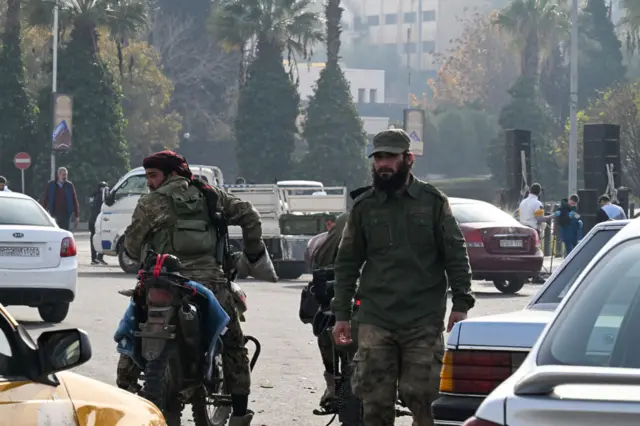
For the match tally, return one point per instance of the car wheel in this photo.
(127, 264)
(54, 312)
(511, 286)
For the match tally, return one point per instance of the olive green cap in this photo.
(392, 141)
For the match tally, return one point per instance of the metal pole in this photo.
(408, 68)
(573, 136)
(54, 83)
(22, 174)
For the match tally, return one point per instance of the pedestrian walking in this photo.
(402, 235)
(569, 223)
(96, 200)
(61, 201)
(3, 184)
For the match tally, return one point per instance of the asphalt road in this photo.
(287, 381)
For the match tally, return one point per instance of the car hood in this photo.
(519, 329)
(100, 404)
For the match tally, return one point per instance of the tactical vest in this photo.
(189, 233)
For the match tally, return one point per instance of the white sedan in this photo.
(38, 262)
(585, 368)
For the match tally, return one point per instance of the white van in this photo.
(121, 200)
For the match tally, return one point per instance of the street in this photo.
(287, 381)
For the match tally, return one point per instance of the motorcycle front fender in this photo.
(156, 332)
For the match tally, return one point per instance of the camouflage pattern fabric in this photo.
(404, 362)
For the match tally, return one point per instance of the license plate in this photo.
(511, 243)
(19, 252)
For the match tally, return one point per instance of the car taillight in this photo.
(474, 421)
(158, 297)
(473, 238)
(477, 372)
(68, 247)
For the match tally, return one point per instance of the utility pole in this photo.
(573, 135)
(54, 83)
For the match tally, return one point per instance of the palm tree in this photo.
(121, 18)
(276, 26)
(631, 22)
(537, 28)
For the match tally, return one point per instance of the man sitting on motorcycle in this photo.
(156, 226)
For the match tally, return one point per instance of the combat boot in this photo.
(330, 391)
(241, 420)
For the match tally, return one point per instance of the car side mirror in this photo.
(110, 199)
(62, 350)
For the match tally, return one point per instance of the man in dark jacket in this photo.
(96, 200)
(61, 201)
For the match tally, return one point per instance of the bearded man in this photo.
(402, 234)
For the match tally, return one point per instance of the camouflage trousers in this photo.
(391, 363)
(235, 357)
(326, 351)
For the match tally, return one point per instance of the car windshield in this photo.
(598, 324)
(22, 211)
(574, 265)
(478, 212)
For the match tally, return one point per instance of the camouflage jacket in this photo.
(409, 245)
(154, 212)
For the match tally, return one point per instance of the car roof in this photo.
(14, 195)
(629, 232)
(313, 183)
(456, 200)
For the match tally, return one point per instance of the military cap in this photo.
(392, 141)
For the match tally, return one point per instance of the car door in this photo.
(116, 218)
(24, 402)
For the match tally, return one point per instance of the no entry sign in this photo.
(22, 160)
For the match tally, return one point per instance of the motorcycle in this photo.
(175, 328)
(345, 405)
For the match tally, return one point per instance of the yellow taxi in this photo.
(35, 391)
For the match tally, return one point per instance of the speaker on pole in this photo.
(516, 142)
(601, 147)
(588, 208)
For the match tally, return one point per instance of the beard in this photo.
(392, 181)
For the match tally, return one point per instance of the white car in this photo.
(38, 260)
(585, 367)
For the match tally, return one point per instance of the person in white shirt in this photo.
(3, 184)
(531, 209)
(613, 211)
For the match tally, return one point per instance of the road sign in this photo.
(414, 125)
(22, 160)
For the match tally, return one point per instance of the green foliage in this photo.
(333, 131)
(525, 112)
(17, 115)
(266, 120)
(99, 150)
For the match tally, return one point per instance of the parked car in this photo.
(482, 352)
(585, 368)
(38, 263)
(500, 248)
(35, 390)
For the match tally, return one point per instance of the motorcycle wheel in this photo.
(206, 413)
(163, 382)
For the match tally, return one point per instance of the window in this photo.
(410, 17)
(373, 96)
(361, 94)
(478, 212)
(373, 20)
(391, 19)
(597, 325)
(358, 24)
(135, 185)
(574, 265)
(429, 46)
(428, 15)
(22, 211)
(410, 48)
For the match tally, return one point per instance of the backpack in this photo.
(564, 219)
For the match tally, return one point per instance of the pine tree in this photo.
(333, 129)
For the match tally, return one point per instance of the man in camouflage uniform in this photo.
(402, 230)
(324, 256)
(154, 225)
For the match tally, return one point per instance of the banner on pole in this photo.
(414, 126)
(62, 122)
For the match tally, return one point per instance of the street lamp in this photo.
(54, 77)
(573, 135)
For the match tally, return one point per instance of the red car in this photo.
(500, 248)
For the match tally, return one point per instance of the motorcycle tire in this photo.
(163, 382)
(201, 410)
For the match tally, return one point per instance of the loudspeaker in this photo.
(516, 141)
(601, 146)
(623, 200)
(588, 208)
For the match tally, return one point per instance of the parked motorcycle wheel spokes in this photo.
(163, 382)
(212, 404)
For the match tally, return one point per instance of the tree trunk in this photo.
(531, 55)
(12, 25)
(333, 13)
